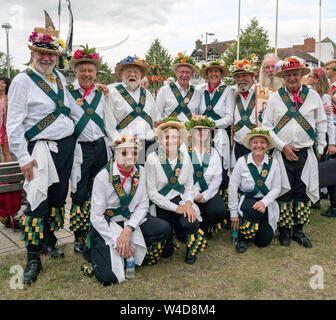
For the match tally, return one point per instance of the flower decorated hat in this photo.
(248, 65)
(200, 122)
(213, 64)
(182, 60)
(132, 61)
(258, 132)
(126, 140)
(46, 40)
(291, 63)
(85, 54)
(170, 122)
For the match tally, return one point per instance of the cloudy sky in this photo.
(177, 23)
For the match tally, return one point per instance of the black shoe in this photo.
(190, 258)
(241, 246)
(284, 237)
(316, 205)
(79, 247)
(53, 252)
(301, 239)
(32, 269)
(331, 213)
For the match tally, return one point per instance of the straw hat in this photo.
(182, 60)
(85, 55)
(127, 140)
(213, 64)
(248, 65)
(46, 40)
(170, 122)
(258, 132)
(291, 63)
(200, 122)
(132, 61)
(330, 62)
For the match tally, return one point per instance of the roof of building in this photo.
(218, 47)
(287, 52)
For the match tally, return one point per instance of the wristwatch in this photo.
(132, 228)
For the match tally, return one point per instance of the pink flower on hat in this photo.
(78, 54)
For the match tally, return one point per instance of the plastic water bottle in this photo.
(130, 267)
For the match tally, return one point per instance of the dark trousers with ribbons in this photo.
(179, 224)
(264, 235)
(153, 230)
(57, 192)
(240, 150)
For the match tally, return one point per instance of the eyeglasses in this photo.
(132, 153)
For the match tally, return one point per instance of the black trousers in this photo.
(212, 212)
(240, 150)
(94, 159)
(179, 224)
(294, 171)
(264, 235)
(57, 192)
(153, 230)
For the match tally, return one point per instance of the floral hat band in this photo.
(213, 64)
(135, 61)
(126, 141)
(258, 132)
(249, 65)
(46, 40)
(85, 54)
(182, 60)
(291, 63)
(200, 122)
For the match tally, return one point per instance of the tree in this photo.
(3, 66)
(253, 39)
(105, 75)
(160, 61)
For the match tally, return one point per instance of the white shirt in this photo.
(212, 175)
(166, 102)
(104, 197)
(326, 100)
(240, 134)
(27, 106)
(91, 131)
(293, 134)
(224, 107)
(117, 109)
(242, 179)
(157, 179)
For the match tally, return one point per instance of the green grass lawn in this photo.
(273, 272)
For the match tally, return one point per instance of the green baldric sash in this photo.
(124, 199)
(171, 175)
(210, 103)
(199, 169)
(89, 111)
(57, 98)
(259, 179)
(294, 113)
(182, 106)
(137, 108)
(245, 114)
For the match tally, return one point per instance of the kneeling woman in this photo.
(256, 177)
(170, 188)
(121, 224)
(207, 171)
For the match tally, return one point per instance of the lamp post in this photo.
(206, 44)
(319, 36)
(7, 26)
(238, 36)
(276, 28)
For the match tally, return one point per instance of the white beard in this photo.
(132, 85)
(243, 87)
(44, 71)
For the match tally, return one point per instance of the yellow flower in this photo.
(62, 43)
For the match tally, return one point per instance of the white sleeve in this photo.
(188, 187)
(234, 184)
(321, 127)
(160, 102)
(110, 122)
(16, 113)
(228, 106)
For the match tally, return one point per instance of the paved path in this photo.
(10, 239)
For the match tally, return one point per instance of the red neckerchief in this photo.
(126, 175)
(87, 91)
(331, 93)
(245, 94)
(296, 98)
(211, 90)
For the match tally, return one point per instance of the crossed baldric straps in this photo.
(182, 106)
(58, 98)
(89, 111)
(211, 103)
(294, 113)
(138, 108)
(199, 168)
(245, 114)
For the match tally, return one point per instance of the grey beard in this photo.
(44, 72)
(132, 85)
(243, 87)
(274, 82)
